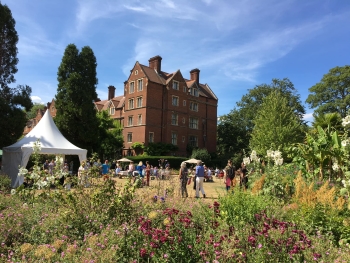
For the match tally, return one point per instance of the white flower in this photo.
(344, 182)
(22, 171)
(344, 143)
(278, 161)
(346, 120)
(41, 184)
(13, 191)
(25, 205)
(269, 153)
(277, 154)
(246, 160)
(335, 166)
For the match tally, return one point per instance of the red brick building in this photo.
(160, 107)
(166, 107)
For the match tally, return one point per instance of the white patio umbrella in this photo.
(194, 161)
(124, 160)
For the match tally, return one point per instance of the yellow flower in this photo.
(57, 244)
(166, 221)
(153, 215)
(71, 249)
(26, 247)
(43, 251)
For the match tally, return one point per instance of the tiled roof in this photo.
(152, 75)
(164, 78)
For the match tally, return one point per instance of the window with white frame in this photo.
(175, 101)
(139, 102)
(174, 138)
(151, 137)
(130, 120)
(185, 89)
(139, 85)
(136, 72)
(193, 140)
(132, 87)
(111, 111)
(131, 104)
(193, 123)
(184, 103)
(183, 138)
(139, 119)
(129, 137)
(174, 119)
(194, 92)
(193, 106)
(175, 85)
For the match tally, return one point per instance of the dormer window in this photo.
(175, 85)
(111, 111)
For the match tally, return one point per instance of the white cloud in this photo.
(36, 99)
(308, 117)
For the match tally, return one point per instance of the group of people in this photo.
(230, 174)
(199, 173)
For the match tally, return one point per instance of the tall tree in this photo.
(332, 93)
(11, 99)
(232, 135)
(110, 136)
(251, 102)
(276, 125)
(76, 115)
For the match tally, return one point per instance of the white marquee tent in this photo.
(51, 142)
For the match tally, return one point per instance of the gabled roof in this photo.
(164, 78)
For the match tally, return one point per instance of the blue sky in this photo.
(236, 44)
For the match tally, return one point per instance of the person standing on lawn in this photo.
(199, 179)
(148, 173)
(230, 171)
(183, 176)
(105, 168)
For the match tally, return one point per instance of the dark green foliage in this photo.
(8, 47)
(332, 93)
(110, 136)
(34, 110)
(201, 154)
(326, 120)
(11, 99)
(251, 102)
(76, 115)
(159, 148)
(277, 126)
(233, 135)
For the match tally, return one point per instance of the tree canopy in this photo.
(110, 136)
(76, 114)
(276, 125)
(332, 93)
(251, 102)
(12, 100)
(232, 133)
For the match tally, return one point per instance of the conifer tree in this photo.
(76, 115)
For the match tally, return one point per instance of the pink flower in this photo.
(165, 255)
(259, 246)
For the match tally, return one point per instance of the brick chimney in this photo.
(156, 63)
(111, 92)
(195, 75)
